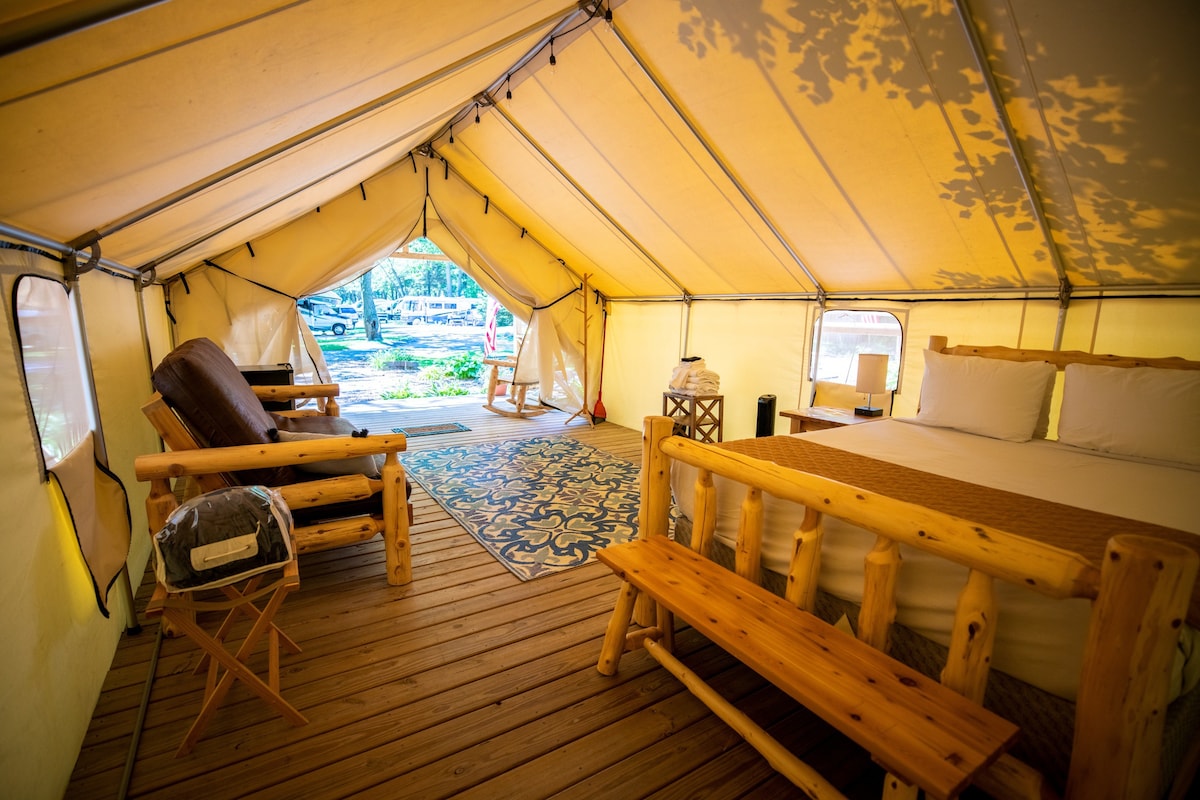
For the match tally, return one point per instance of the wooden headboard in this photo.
(1059, 358)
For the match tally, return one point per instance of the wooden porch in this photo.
(465, 683)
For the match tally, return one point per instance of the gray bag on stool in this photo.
(221, 537)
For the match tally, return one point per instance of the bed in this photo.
(1126, 461)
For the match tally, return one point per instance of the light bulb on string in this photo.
(477, 113)
(508, 88)
(451, 134)
(608, 20)
(553, 60)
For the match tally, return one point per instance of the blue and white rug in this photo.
(538, 505)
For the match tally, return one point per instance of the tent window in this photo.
(840, 335)
(51, 354)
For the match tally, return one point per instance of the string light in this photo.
(608, 17)
(477, 113)
(553, 60)
(451, 134)
(508, 88)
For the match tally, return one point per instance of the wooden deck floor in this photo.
(467, 683)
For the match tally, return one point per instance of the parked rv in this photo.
(322, 316)
(441, 310)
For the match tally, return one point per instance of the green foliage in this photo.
(465, 366)
(382, 359)
(403, 393)
(449, 390)
(331, 347)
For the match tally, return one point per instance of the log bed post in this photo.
(880, 573)
(973, 637)
(705, 523)
(1145, 586)
(655, 490)
(805, 563)
(748, 552)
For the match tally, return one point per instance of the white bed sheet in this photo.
(1038, 640)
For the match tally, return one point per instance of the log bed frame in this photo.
(931, 736)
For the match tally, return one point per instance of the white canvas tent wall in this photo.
(719, 170)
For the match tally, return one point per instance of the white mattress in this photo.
(1038, 640)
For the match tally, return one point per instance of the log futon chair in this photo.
(218, 433)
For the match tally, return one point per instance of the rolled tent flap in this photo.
(99, 509)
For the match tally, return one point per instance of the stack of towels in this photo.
(693, 377)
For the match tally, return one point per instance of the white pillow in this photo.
(1138, 411)
(985, 396)
(359, 465)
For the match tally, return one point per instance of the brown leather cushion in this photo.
(212, 397)
(214, 400)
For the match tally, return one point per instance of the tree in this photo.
(370, 318)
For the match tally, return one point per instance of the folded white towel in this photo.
(679, 376)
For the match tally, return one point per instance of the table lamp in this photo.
(872, 379)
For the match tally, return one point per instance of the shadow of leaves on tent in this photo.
(1114, 176)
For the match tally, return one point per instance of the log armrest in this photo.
(323, 393)
(210, 460)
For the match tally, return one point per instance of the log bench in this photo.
(919, 730)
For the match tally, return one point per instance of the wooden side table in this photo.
(699, 417)
(819, 418)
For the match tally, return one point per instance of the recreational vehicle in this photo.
(321, 315)
(438, 310)
(975, 220)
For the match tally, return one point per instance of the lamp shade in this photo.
(872, 373)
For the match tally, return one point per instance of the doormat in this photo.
(432, 430)
(537, 505)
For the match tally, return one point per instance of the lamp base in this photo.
(868, 411)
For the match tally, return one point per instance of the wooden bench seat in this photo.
(916, 728)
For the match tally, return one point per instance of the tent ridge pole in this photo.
(326, 126)
(720, 162)
(508, 217)
(160, 259)
(989, 79)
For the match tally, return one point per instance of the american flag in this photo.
(489, 328)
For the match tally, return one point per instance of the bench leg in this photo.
(618, 627)
(778, 756)
(895, 788)
(666, 624)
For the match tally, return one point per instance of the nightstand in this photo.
(819, 418)
(699, 417)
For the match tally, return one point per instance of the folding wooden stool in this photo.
(178, 611)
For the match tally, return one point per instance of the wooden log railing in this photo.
(1141, 594)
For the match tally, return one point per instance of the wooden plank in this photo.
(911, 724)
(507, 669)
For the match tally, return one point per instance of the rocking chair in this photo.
(506, 370)
(218, 433)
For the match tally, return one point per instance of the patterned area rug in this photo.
(432, 430)
(538, 505)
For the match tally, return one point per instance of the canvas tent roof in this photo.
(699, 148)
